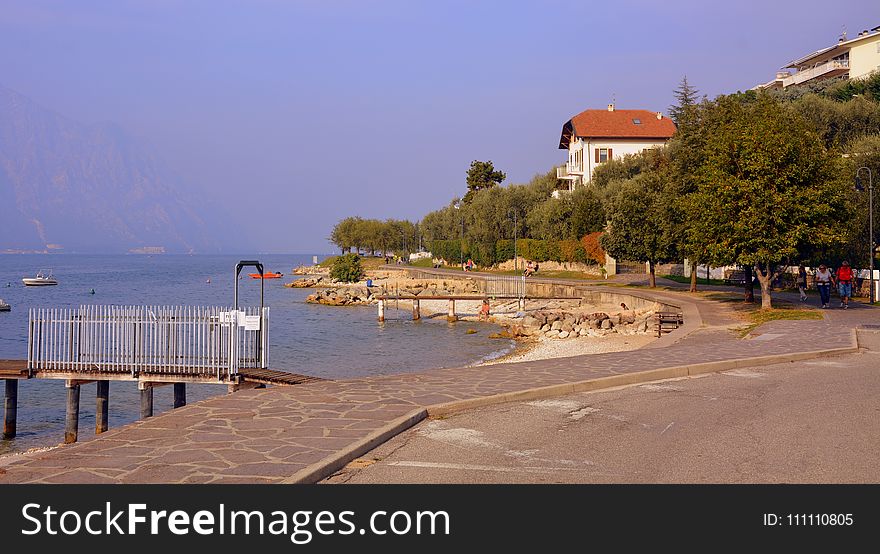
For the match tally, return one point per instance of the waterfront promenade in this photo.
(303, 433)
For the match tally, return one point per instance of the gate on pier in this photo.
(503, 286)
(148, 340)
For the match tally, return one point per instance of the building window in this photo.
(603, 155)
(637, 121)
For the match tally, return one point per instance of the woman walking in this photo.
(824, 279)
(802, 282)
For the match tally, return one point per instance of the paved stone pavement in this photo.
(305, 432)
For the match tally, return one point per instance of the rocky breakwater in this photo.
(343, 296)
(305, 283)
(571, 324)
(339, 294)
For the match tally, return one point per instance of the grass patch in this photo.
(756, 316)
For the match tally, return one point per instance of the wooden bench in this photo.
(667, 321)
(737, 277)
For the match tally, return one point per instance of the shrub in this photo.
(347, 268)
(593, 249)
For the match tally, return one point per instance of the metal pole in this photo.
(871, 295)
(515, 255)
(461, 245)
(871, 225)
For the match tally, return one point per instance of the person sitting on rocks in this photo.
(530, 268)
(484, 310)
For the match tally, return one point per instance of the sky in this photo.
(293, 114)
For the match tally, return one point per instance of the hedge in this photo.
(492, 253)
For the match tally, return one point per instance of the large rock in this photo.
(556, 326)
(563, 334)
(606, 324)
(531, 322)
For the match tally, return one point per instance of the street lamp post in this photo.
(870, 221)
(457, 206)
(515, 256)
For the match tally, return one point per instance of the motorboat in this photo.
(42, 279)
(276, 275)
(4, 307)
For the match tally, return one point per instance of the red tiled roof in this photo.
(617, 124)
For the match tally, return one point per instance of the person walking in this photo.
(802, 282)
(844, 283)
(823, 279)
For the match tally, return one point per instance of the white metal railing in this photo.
(813, 72)
(509, 286)
(566, 172)
(148, 339)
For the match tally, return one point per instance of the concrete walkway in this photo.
(304, 433)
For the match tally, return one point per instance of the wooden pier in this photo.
(151, 346)
(13, 371)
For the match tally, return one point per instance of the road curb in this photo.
(336, 461)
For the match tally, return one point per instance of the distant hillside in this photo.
(86, 188)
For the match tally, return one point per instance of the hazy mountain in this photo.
(87, 188)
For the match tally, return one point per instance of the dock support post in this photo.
(179, 395)
(381, 310)
(522, 304)
(415, 307)
(451, 315)
(146, 400)
(71, 427)
(11, 409)
(102, 407)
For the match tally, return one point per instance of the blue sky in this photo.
(309, 111)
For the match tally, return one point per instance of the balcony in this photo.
(565, 173)
(831, 68)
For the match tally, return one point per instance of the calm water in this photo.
(332, 342)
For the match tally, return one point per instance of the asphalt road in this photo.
(815, 421)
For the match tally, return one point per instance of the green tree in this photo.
(347, 268)
(686, 98)
(640, 225)
(480, 176)
(767, 189)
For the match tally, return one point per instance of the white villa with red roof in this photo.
(593, 137)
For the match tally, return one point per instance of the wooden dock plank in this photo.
(273, 377)
(17, 369)
(13, 369)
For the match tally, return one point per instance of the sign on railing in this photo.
(148, 339)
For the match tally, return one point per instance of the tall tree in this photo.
(686, 98)
(480, 176)
(640, 226)
(767, 189)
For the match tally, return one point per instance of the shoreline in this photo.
(525, 348)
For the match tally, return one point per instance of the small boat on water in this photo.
(276, 275)
(42, 279)
(4, 307)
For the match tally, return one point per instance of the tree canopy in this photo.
(481, 176)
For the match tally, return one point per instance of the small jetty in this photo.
(151, 346)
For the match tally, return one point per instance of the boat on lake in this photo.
(42, 279)
(276, 275)
(4, 307)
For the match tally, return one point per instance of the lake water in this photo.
(330, 342)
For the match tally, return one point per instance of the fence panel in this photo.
(148, 339)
